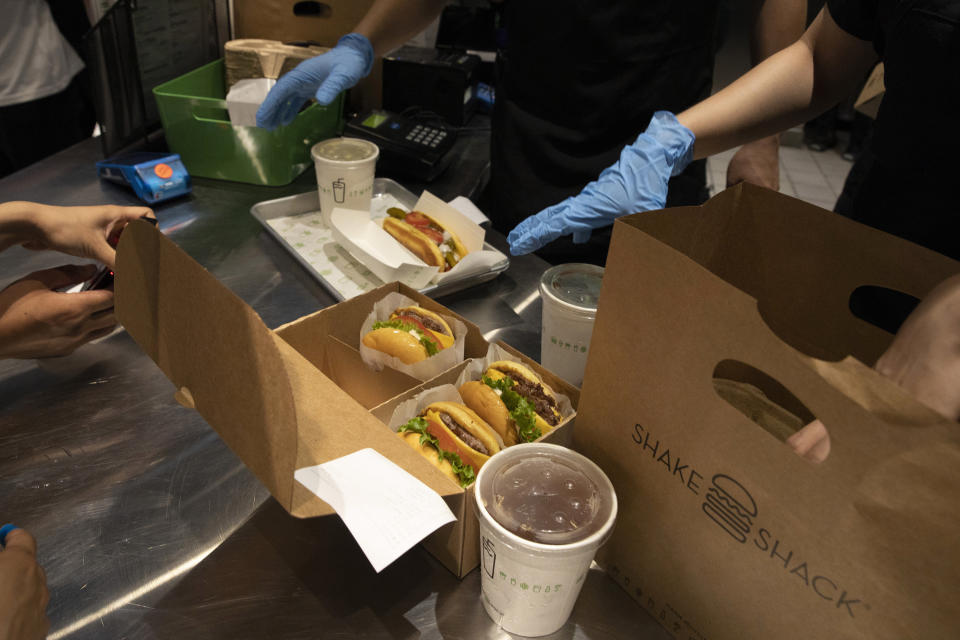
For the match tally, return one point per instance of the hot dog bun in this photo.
(425, 237)
(415, 240)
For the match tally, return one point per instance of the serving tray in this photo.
(296, 223)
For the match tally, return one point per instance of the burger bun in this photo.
(397, 343)
(485, 402)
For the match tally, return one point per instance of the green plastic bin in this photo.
(193, 110)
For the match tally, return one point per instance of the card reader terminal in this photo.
(411, 147)
(154, 177)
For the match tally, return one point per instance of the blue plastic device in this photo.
(155, 177)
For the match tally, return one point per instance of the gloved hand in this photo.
(322, 77)
(636, 182)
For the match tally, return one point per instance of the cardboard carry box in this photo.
(723, 531)
(258, 58)
(321, 23)
(288, 398)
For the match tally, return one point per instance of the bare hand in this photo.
(23, 590)
(924, 359)
(757, 163)
(38, 322)
(85, 232)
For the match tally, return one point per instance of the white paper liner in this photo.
(365, 239)
(414, 406)
(425, 369)
(477, 366)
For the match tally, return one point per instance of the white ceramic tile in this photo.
(809, 178)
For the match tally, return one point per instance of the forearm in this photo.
(390, 23)
(786, 89)
(18, 223)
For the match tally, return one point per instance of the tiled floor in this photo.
(816, 177)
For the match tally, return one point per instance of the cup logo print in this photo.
(731, 506)
(489, 556)
(339, 190)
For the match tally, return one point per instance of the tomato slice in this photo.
(433, 234)
(447, 443)
(424, 224)
(430, 336)
(417, 219)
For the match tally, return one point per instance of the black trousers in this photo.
(33, 130)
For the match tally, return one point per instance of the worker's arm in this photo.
(390, 23)
(386, 25)
(786, 89)
(777, 24)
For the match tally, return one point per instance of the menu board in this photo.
(173, 37)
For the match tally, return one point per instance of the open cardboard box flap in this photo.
(263, 391)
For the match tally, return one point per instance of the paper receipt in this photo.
(385, 508)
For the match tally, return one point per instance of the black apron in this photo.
(579, 80)
(909, 180)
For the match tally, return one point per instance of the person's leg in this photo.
(820, 133)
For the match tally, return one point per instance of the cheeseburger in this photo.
(514, 401)
(452, 437)
(425, 238)
(411, 334)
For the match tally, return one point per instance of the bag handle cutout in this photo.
(312, 9)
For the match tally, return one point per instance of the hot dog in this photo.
(425, 238)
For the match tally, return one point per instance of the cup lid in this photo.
(345, 150)
(575, 287)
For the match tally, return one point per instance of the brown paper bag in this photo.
(723, 531)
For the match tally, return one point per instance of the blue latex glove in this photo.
(636, 182)
(322, 77)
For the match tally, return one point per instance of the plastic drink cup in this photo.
(544, 510)
(345, 168)
(569, 293)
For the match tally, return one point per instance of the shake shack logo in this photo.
(729, 506)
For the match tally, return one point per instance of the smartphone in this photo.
(103, 279)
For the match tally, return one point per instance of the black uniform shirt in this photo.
(579, 80)
(908, 189)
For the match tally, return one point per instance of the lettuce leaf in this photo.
(427, 343)
(464, 472)
(521, 410)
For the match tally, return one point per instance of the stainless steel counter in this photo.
(149, 527)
